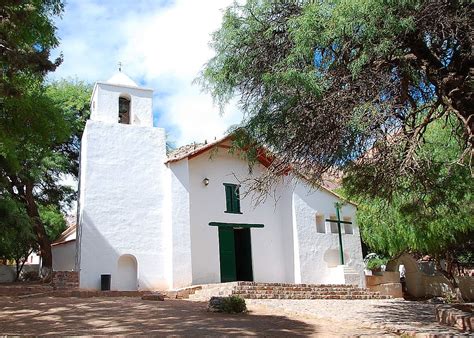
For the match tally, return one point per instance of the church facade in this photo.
(155, 221)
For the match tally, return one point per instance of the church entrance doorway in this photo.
(235, 254)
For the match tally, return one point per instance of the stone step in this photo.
(298, 288)
(345, 286)
(309, 293)
(314, 297)
(327, 293)
(254, 290)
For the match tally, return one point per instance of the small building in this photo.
(64, 250)
(158, 221)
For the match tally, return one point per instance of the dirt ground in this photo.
(127, 316)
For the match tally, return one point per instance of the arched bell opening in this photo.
(124, 112)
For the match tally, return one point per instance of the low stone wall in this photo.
(456, 316)
(65, 280)
(438, 285)
(386, 283)
(8, 272)
(466, 286)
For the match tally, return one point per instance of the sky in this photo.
(161, 44)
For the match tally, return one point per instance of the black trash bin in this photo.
(105, 282)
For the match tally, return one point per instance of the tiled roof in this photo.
(65, 234)
(184, 151)
(193, 149)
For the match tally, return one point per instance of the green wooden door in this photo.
(227, 254)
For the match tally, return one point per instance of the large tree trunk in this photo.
(41, 236)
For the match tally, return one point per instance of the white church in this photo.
(158, 222)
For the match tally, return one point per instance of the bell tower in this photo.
(120, 100)
(123, 205)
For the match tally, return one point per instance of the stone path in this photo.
(127, 316)
(394, 315)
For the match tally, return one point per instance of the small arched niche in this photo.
(127, 277)
(124, 110)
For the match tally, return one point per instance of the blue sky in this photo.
(161, 44)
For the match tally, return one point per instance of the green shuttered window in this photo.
(232, 198)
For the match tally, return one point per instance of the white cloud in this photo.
(162, 47)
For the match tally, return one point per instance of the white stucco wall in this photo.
(64, 256)
(122, 203)
(180, 220)
(288, 248)
(105, 99)
(319, 252)
(272, 257)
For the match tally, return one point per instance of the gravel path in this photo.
(398, 316)
(133, 316)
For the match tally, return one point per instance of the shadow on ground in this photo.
(66, 316)
(417, 315)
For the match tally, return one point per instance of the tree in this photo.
(17, 240)
(435, 221)
(39, 133)
(27, 35)
(32, 174)
(322, 82)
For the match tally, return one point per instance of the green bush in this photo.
(233, 304)
(375, 263)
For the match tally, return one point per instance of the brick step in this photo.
(345, 286)
(347, 297)
(290, 292)
(298, 289)
(253, 290)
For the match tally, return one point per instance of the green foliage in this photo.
(34, 163)
(27, 33)
(376, 263)
(322, 82)
(233, 304)
(72, 97)
(467, 257)
(39, 124)
(53, 221)
(16, 234)
(433, 219)
(17, 239)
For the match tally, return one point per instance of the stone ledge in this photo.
(155, 296)
(457, 318)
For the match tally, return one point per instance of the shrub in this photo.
(29, 276)
(231, 304)
(375, 263)
(234, 304)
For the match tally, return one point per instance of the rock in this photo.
(216, 304)
(153, 296)
(7, 275)
(437, 300)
